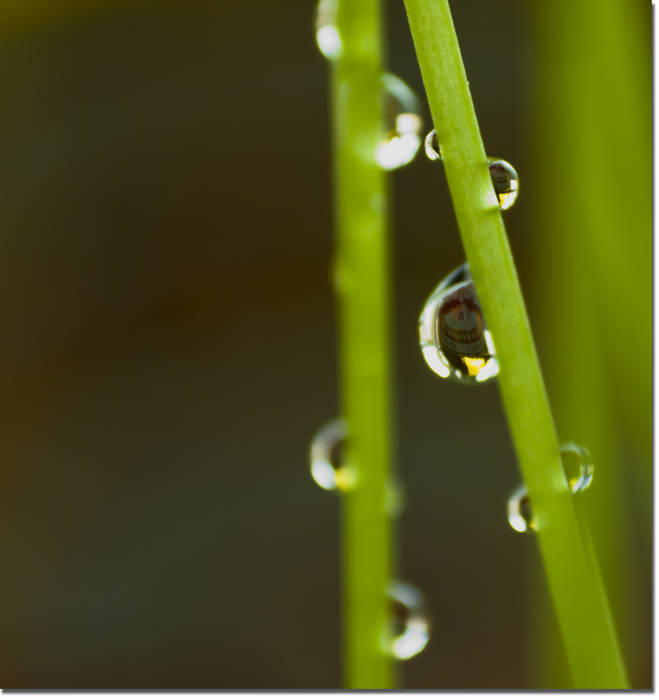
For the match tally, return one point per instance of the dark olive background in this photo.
(170, 347)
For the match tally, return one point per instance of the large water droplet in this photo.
(327, 458)
(579, 470)
(411, 624)
(454, 339)
(505, 182)
(327, 34)
(578, 466)
(431, 145)
(402, 124)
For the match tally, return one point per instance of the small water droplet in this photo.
(327, 35)
(410, 621)
(520, 516)
(578, 466)
(454, 339)
(432, 147)
(329, 468)
(505, 182)
(402, 124)
(579, 470)
(327, 457)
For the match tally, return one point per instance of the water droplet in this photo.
(505, 182)
(520, 516)
(411, 624)
(454, 339)
(432, 147)
(327, 458)
(327, 35)
(329, 468)
(402, 124)
(579, 470)
(578, 466)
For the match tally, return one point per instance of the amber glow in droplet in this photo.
(474, 365)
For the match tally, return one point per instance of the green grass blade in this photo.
(574, 581)
(592, 231)
(363, 288)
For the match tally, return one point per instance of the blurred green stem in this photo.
(362, 277)
(592, 151)
(574, 580)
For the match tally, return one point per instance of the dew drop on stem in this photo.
(431, 145)
(331, 471)
(328, 38)
(579, 470)
(327, 457)
(578, 466)
(520, 516)
(410, 623)
(453, 335)
(402, 124)
(505, 182)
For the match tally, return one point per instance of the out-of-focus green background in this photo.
(169, 349)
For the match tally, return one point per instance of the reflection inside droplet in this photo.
(453, 336)
(505, 182)
(411, 624)
(402, 124)
(327, 458)
(327, 34)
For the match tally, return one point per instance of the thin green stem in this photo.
(574, 580)
(363, 292)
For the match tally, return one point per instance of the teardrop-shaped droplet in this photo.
(520, 516)
(432, 147)
(327, 33)
(454, 339)
(327, 458)
(505, 182)
(411, 624)
(578, 466)
(402, 124)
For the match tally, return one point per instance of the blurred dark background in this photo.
(170, 347)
